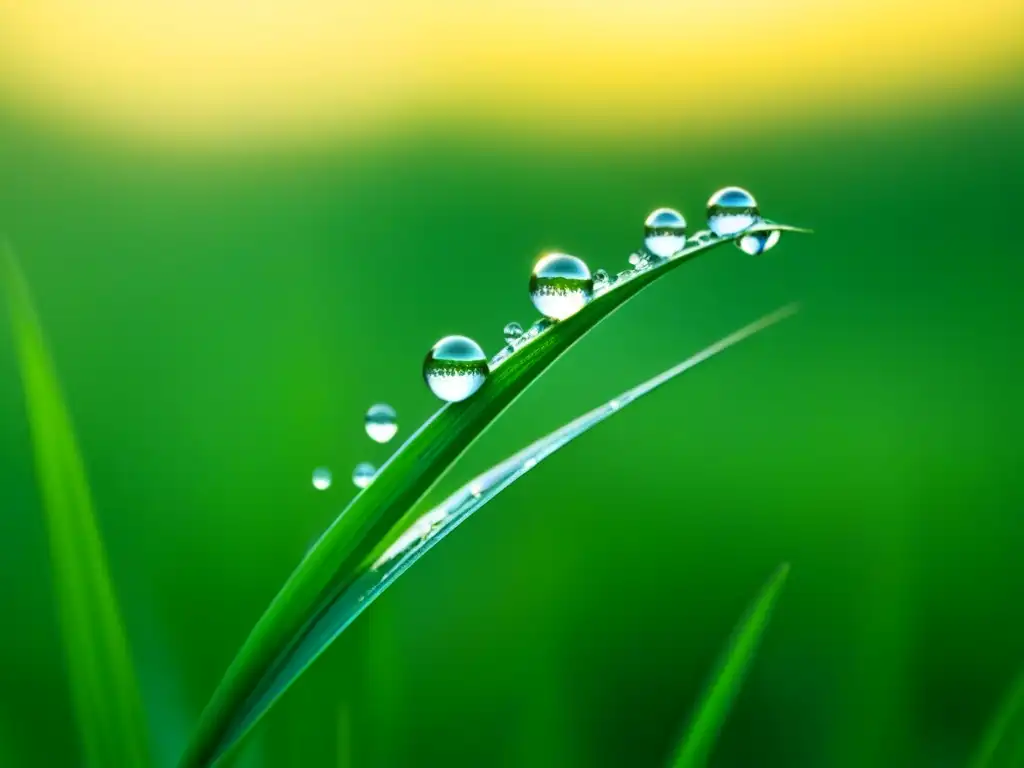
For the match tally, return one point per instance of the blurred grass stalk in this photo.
(707, 721)
(1003, 743)
(108, 708)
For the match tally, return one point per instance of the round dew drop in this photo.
(757, 243)
(321, 478)
(664, 232)
(381, 422)
(561, 285)
(732, 210)
(512, 331)
(455, 368)
(363, 474)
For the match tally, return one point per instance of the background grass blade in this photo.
(713, 708)
(1003, 743)
(254, 679)
(107, 705)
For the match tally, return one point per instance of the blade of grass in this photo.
(421, 534)
(1004, 733)
(107, 705)
(707, 721)
(254, 679)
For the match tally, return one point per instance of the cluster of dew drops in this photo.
(560, 286)
(381, 424)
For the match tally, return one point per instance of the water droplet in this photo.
(664, 232)
(732, 210)
(512, 332)
(636, 259)
(560, 285)
(363, 474)
(530, 463)
(381, 422)
(758, 242)
(601, 276)
(321, 478)
(455, 368)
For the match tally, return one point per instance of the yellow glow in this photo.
(231, 69)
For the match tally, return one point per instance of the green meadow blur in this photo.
(221, 322)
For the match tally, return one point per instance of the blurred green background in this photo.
(222, 320)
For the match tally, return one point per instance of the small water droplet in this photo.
(614, 404)
(601, 276)
(757, 243)
(381, 422)
(512, 332)
(635, 259)
(476, 490)
(665, 232)
(560, 285)
(321, 478)
(732, 210)
(530, 463)
(363, 474)
(455, 368)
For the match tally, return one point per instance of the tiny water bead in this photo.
(512, 332)
(363, 474)
(381, 422)
(560, 285)
(664, 232)
(757, 243)
(455, 368)
(321, 478)
(731, 210)
(601, 276)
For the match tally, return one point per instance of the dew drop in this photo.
(757, 243)
(560, 285)
(363, 474)
(636, 259)
(321, 478)
(381, 422)
(664, 232)
(601, 276)
(512, 332)
(455, 368)
(731, 210)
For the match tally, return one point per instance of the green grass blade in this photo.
(106, 699)
(714, 706)
(254, 679)
(418, 535)
(1003, 743)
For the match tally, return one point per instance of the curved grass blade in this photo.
(107, 704)
(254, 679)
(710, 715)
(418, 536)
(1003, 743)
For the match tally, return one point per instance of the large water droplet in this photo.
(560, 285)
(731, 210)
(455, 368)
(363, 474)
(321, 478)
(381, 422)
(512, 332)
(665, 232)
(758, 242)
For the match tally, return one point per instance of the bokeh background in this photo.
(246, 222)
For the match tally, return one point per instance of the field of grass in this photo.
(216, 328)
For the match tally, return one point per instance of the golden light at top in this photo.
(209, 69)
